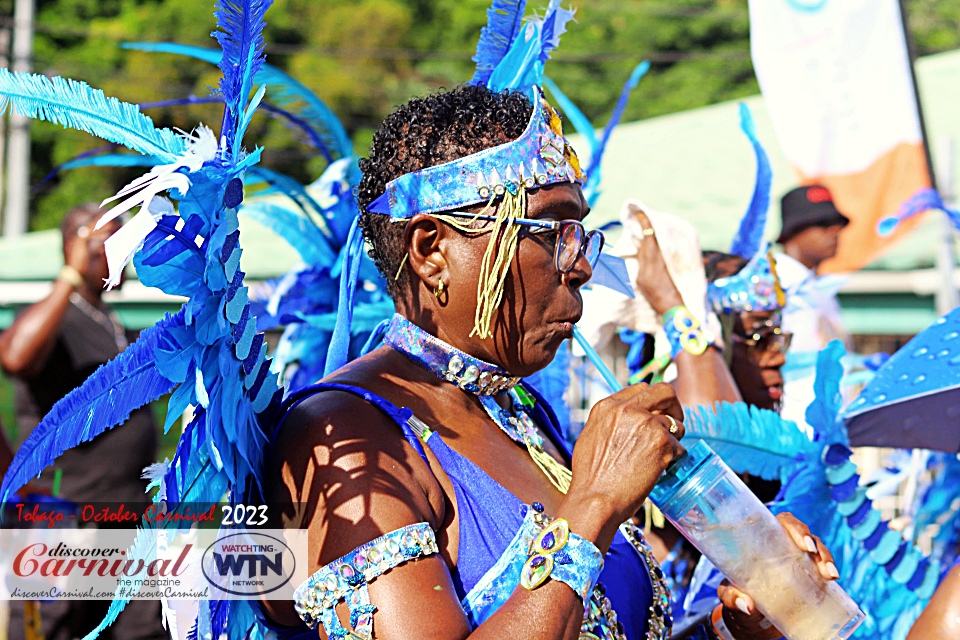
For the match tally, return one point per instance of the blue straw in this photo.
(608, 376)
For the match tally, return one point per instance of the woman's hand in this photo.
(653, 279)
(620, 455)
(739, 611)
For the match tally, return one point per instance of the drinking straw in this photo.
(594, 357)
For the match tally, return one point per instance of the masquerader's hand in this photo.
(78, 250)
(653, 278)
(739, 611)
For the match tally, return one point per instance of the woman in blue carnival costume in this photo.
(423, 469)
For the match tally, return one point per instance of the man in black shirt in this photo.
(50, 349)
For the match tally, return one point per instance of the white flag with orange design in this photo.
(837, 80)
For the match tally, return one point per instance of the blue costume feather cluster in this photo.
(887, 576)
(326, 131)
(210, 353)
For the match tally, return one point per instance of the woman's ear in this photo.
(425, 235)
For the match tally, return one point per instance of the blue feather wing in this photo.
(286, 92)
(504, 19)
(749, 237)
(76, 105)
(750, 440)
(105, 400)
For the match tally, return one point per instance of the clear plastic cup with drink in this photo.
(721, 517)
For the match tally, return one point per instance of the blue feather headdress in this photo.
(756, 287)
(209, 354)
(510, 54)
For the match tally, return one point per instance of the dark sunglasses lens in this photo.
(568, 246)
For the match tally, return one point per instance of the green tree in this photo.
(363, 57)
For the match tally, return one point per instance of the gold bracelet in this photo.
(71, 276)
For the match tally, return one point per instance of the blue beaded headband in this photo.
(756, 287)
(539, 157)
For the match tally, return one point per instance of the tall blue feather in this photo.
(240, 34)
(749, 237)
(105, 400)
(750, 440)
(290, 94)
(504, 20)
(592, 189)
(76, 105)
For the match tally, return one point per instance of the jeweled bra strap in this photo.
(470, 374)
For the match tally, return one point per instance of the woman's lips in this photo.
(775, 392)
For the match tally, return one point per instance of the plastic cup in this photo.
(721, 517)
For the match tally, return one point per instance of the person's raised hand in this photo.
(78, 250)
(653, 278)
(741, 614)
(624, 448)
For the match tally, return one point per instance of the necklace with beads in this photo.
(485, 381)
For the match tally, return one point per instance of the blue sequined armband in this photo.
(346, 578)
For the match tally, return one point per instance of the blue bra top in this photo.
(490, 518)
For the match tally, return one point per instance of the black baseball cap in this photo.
(809, 206)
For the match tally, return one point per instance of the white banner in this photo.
(836, 78)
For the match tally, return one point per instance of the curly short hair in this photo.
(423, 133)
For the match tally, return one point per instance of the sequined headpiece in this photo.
(539, 157)
(756, 287)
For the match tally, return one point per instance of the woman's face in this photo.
(539, 306)
(756, 367)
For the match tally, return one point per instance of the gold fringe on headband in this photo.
(498, 256)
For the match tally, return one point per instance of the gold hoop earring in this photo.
(438, 290)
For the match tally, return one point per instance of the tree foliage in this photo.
(365, 56)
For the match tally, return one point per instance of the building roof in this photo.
(698, 164)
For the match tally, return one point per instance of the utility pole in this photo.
(18, 149)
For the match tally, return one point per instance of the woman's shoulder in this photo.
(344, 436)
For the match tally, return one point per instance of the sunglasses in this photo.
(770, 340)
(573, 240)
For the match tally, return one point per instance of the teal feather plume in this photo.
(298, 230)
(748, 439)
(284, 91)
(76, 105)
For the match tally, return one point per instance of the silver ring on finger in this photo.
(674, 427)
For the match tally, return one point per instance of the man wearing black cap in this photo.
(811, 225)
(810, 233)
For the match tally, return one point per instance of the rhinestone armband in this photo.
(346, 579)
(683, 332)
(564, 556)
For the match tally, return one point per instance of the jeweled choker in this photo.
(470, 374)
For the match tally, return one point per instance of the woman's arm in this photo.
(701, 379)
(352, 480)
(940, 620)
(27, 343)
